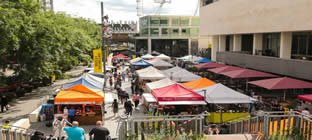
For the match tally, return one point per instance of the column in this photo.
(189, 46)
(257, 43)
(237, 43)
(149, 45)
(159, 32)
(214, 47)
(285, 45)
(222, 43)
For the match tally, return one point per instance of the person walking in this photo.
(111, 82)
(58, 128)
(123, 76)
(136, 100)
(71, 114)
(4, 103)
(130, 109)
(99, 132)
(115, 107)
(75, 132)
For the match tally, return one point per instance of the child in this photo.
(6, 125)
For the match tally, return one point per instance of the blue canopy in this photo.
(85, 83)
(44, 106)
(141, 63)
(204, 60)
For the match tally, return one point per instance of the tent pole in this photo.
(247, 85)
(284, 94)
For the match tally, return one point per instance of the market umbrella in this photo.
(120, 56)
(209, 65)
(224, 69)
(163, 57)
(282, 83)
(307, 98)
(141, 63)
(147, 56)
(197, 84)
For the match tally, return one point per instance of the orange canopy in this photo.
(79, 93)
(197, 84)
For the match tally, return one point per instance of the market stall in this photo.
(147, 56)
(160, 64)
(179, 99)
(141, 63)
(224, 103)
(135, 59)
(304, 101)
(86, 102)
(204, 60)
(209, 65)
(120, 56)
(159, 84)
(180, 75)
(84, 82)
(198, 84)
(150, 73)
(163, 57)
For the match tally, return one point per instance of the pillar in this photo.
(189, 46)
(149, 46)
(285, 47)
(237, 43)
(257, 43)
(222, 43)
(214, 47)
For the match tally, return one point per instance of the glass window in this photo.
(175, 21)
(154, 31)
(194, 31)
(195, 21)
(155, 21)
(164, 31)
(174, 31)
(184, 21)
(271, 44)
(144, 21)
(164, 21)
(185, 31)
(301, 45)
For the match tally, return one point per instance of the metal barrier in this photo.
(16, 133)
(141, 127)
(275, 124)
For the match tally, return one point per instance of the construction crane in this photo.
(140, 10)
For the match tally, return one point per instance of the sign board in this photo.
(97, 60)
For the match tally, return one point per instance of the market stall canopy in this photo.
(204, 60)
(155, 53)
(220, 94)
(181, 75)
(159, 84)
(282, 83)
(120, 56)
(224, 69)
(149, 98)
(79, 94)
(150, 73)
(84, 82)
(135, 59)
(163, 57)
(197, 84)
(246, 73)
(191, 58)
(93, 79)
(209, 65)
(141, 63)
(307, 98)
(160, 63)
(176, 92)
(147, 56)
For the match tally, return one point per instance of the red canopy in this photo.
(120, 56)
(176, 92)
(246, 73)
(282, 83)
(209, 65)
(225, 69)
(307, 98)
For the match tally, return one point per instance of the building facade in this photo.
(273, 36)
(171, 35)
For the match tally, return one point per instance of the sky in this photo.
(122, 9)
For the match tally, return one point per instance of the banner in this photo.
(106, 51)
(97, 60)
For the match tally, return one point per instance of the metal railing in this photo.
(16, 133)
(274, 124)
(142, 127)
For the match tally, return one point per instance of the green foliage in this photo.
(43, 43)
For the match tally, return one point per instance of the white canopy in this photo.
(150, 73)
(220, 94)
(147, 56)
(159, 84)
(181, 75)
(93, 79)
(191, 58)
(135, 59)
(160, 63)
(163, 57)
(183, 103)
(149, 98)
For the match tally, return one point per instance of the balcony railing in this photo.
(288, 67)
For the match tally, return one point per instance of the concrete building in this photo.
(171, 35)
(268, 35)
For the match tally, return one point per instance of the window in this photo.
(164, 21)
(207, 2)
(164, 31)
(271, 44)
(184, 21)
(194, 31)
(155, 21)
(144, 32)
(154, 31)
(174, 31)
(185, 31)
(175, 21)
(301, 45)
(195, 21)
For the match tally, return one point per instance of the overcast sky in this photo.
(122, 9)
